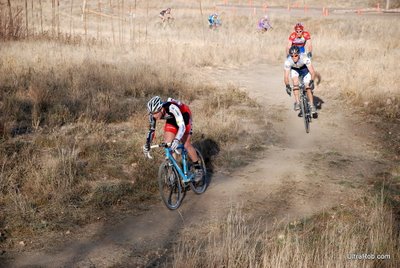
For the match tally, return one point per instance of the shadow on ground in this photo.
(208, 148)
(318, 102)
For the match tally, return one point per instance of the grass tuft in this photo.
(332, 238)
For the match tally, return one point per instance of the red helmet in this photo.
(299, 25)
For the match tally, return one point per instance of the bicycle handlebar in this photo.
(161, 145)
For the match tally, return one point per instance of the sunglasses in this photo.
(294, 55)
(299, 31)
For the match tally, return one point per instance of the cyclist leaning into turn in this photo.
(301, 39)
(178, 127)
(299, 65)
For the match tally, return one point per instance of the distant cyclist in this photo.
(214, 21)
(177, 129)
(165, 14)
(299, 65)
(301, 39)
(264, 24)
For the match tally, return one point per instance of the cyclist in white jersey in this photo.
(299, 65)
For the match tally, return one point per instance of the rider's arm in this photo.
(308, 44)
(286, 77)
(310, 67)
(287, 68)
(179, 120)
(311, 70)
(152, 129)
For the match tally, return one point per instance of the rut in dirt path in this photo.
(299, 176)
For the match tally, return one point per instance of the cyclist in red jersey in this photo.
(177, 129)
(301, 39)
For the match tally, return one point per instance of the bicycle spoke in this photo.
(170, 195)
(169, 186)
(305, 110)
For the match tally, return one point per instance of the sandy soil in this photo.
(296, 176)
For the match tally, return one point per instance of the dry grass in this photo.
(72, 121)
(326, 240)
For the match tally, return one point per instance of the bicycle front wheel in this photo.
(306, 113)
(200, 185)
(169, 185)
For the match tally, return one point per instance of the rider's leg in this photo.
(295, 80)
(186, 139)
(193, 156)
(310, 96)
(311, 99)
(169, 136)
(296, 93)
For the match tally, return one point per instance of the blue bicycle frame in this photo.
(184, 174)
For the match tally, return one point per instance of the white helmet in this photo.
(154, 105)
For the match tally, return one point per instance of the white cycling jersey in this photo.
(299, 68)
(303, 62)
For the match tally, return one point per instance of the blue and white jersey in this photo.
(213, 19)
(299, 68)
(302, 63)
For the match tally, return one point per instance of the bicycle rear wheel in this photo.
(169, 185)
(200, 186)
(306, 114)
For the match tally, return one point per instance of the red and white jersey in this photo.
(299, 41)
(177, 115)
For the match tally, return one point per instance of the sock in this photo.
(197, 164)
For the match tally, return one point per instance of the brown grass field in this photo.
(73, 89)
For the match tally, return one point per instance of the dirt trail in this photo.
(298, 176)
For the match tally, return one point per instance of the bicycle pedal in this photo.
(300, 115)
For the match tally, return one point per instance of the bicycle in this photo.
(174, 178)
(263, 30)
(263, 27)
(214, 26)
(305, 109)
(167, 23)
